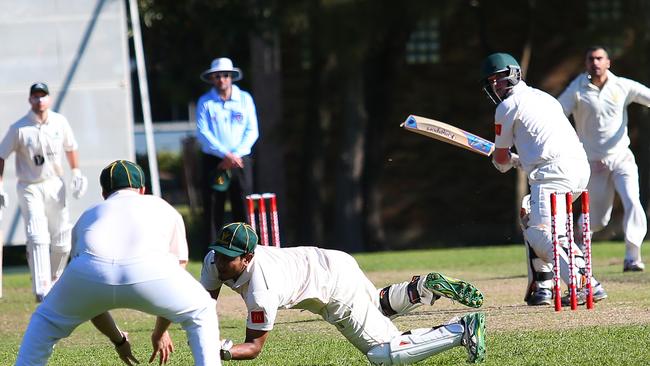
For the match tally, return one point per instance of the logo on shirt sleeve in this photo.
(497, 129)
(257, 317)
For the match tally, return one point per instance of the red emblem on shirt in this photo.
(497, 129)
(257, 317)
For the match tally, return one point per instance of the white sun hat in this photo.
(222, 64)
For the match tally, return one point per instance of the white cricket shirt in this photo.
(534, 123)
(282, 278)
(39, 147)
(129, 238)
(600, 115)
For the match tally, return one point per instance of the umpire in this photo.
(226, 122)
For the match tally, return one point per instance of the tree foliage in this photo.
(354, 180)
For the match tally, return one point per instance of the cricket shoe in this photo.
(474, 336)
(599, 294)
(454, 289)
(541, 296)
(633, 266)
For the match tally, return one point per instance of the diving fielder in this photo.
(331, 284)
(553, 159)
(598, 101)
(40, 139)
(129, 251)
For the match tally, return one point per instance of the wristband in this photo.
(121, 342)
(225, 355)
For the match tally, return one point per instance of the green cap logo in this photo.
(221, 180)
(235, 239)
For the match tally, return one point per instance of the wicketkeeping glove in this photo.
(79, 184)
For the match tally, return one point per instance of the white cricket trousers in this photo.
(47, 227)
(75, 299)
(354, 307)
(618, 173)
(566, 175)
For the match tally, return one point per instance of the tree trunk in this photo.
(349, 198)
(269, 162)
(311, 172)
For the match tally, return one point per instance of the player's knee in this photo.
(60, 248)
(62, 239)
(540, 242)
(37, 237)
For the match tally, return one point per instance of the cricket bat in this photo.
(449, 134)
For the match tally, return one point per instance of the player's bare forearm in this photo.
(252, 347)
(104, 323)
(73, 159)
(501, 155)
(161, 326)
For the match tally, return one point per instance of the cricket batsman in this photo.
(40, 139)
(553, 158)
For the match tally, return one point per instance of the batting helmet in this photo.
(498, 63)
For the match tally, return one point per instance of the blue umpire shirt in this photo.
(226, 125)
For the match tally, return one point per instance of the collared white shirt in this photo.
(226, 126)
(39, 147)
(533, 122)
(282, 278)
(600, 115)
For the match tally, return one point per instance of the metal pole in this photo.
(1, 248)
(144, 97)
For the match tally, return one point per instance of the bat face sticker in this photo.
(449, 134)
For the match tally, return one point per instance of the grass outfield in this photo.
(615, 333)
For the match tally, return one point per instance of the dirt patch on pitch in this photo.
(504, 306)
(506, 310)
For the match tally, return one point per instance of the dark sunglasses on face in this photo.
(220, 75)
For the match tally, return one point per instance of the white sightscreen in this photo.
(80, 49)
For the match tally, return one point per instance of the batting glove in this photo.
(513, 163)
(79, 184)
(514, 160)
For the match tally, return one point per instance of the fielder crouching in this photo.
(331, 284)
(129, 251)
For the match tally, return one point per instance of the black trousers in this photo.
(241, 184)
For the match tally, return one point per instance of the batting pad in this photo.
(416, 345)
(39, 257)
(60, 252)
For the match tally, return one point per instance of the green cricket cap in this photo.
(235, 239)
(121, 174)
(221, 180)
